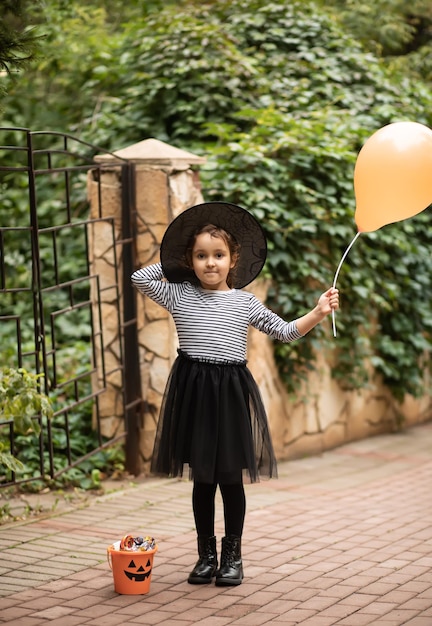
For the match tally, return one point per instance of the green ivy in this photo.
(280, 99)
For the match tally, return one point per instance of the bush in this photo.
(23, 404)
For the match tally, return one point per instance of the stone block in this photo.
(153, 401)
(154, 338)
(106, 272)
(306, 446)
(184, 191)
(152, 195)
(112, 425)
(112, 364)
(145, 245)
(334, 436)
(154, 312)
(296, 422)
(311, 418)
(159, 374)
(146, 444)
(115, 379)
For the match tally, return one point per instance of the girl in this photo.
(212, 418)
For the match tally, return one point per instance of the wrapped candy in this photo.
(148, 543)
(133, 544)
(127, 543)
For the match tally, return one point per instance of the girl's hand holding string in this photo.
(327, 302)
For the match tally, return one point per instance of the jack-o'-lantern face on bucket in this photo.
(138, 574)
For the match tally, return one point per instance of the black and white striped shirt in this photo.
(212, 324)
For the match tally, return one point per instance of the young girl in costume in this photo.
(212, 418)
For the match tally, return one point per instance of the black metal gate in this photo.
(50, 315)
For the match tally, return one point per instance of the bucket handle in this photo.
(109, 558)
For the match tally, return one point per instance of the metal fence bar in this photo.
(133, 401)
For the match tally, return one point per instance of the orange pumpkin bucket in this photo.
(132, 569)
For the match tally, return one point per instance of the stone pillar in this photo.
(165, 186)
(104, 231)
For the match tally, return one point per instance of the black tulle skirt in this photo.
(213, 424)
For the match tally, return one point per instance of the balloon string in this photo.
(345, 254)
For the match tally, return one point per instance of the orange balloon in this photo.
(393, 175)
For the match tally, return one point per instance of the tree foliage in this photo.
(280, 97)
(18, 42)
(399, 32)
(388, 27)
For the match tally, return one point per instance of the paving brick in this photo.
(318, 620)
(339, 591)
(297, 615)
(13, 613)
(99, 581)
(378, 588)
(302, 593)
(53, 612)
(82, 602)
(214, 621)
(25, 621)
(253, 619)
(42, 602)
(68, 620)
(357, 619)
(400, 616)
(29, 594)
(149, 618)
(278, 607)
(6, 603)
(338, 611)
(365, 559)
(113, 619)
(95, 610)
(318, 603)
(417, 587)
(194, 615)
(380, 607)
(361, 600)
(398, 596)
(418, 603)
(237, 610)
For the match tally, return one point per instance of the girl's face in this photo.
(211, 261)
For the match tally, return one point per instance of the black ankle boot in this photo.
(206, 566)
(231, 569)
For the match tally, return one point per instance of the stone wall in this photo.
(324, 416)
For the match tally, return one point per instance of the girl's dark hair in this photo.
(221, 233)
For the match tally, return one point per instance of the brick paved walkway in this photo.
(342, 539)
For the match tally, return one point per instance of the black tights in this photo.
(234, 501)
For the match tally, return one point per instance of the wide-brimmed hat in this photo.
(241, 224)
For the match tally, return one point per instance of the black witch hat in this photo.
(241, 224)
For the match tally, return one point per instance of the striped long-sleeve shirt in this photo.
(212, 324)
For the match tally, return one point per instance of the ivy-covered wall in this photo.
(279, 97)
(321, 413)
